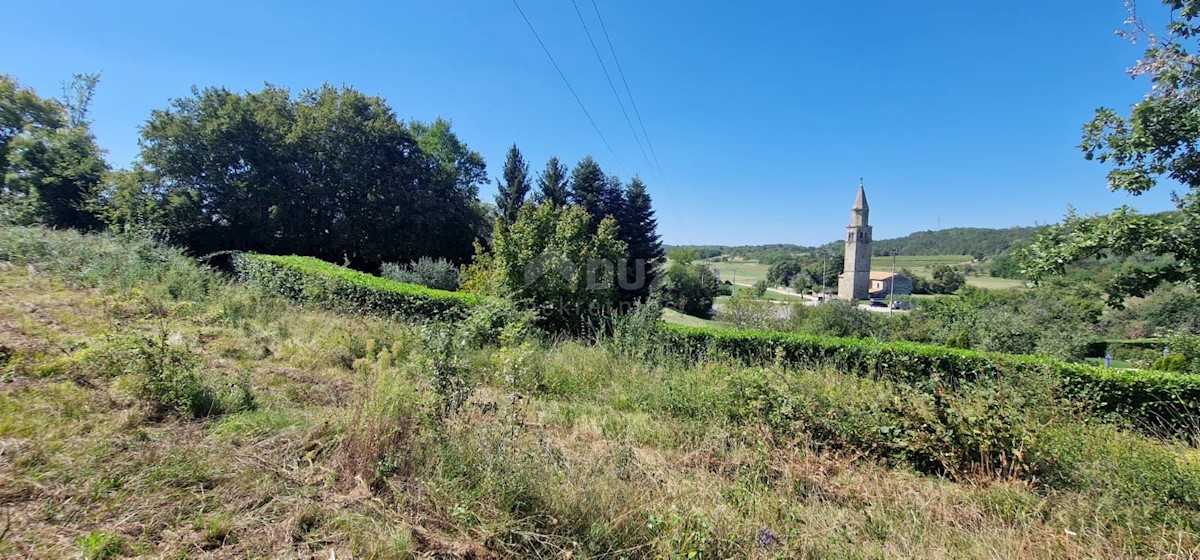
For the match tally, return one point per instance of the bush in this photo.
(759, 289)
(639, 332)
(1186, 346)
(1174, 362)
(1152, 399)
(313, 281)
(688, 286)
(556, 261)
(166, 379)
(835, 318)
(492, 320)
(748, 312)
(439, 274)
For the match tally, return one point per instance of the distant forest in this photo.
(979, 242)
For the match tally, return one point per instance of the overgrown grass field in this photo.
(151, 407)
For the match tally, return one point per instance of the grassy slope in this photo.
(672, 316)
(602, 453)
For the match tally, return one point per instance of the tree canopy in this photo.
(330, 173)
(553, 184)
(50, 164)
(1159, 139)
(552, 260)
(639, 231)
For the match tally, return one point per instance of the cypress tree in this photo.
(639, 230)
(511, 193)
(552, 183)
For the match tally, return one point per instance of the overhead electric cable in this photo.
(568, 83)
(612, 86)
(628, 92)
(621, 71)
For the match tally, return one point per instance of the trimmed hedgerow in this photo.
(1150, 398)
(313, 281)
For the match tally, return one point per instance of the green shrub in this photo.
(638, 333)
(439, 274)
(446, 369)
(1153, 399)
(835, 318)
(748, 312)
(1187, 346)
(1174, 362)
(493, 319)
(313, 281)
(166, 378)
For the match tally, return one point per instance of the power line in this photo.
(621, 71)
(611, 86)
(628, 92)
(568, 83)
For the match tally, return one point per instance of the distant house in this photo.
(884, 284)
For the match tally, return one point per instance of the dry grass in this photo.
(347, 454)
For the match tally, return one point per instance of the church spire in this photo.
(860, 201)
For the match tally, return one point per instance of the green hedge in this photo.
(1152, 398)
(1160, 399)
(313, 281)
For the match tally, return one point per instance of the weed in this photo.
(99, 545)
(445, 368)
(382, 432)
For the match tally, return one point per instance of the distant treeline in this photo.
(979, 242)
(762, 253)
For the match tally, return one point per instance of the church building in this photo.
(855, 281)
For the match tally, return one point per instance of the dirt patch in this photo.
(13, 342)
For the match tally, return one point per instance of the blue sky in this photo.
(763, 115)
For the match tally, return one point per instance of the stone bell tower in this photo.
(855, 281)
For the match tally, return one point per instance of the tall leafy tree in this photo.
(135, 200)
(612, 197)
(553, 186)
(51, 165)
(689, 286)
(77, 98)
(52, 175)
(1159, 139)
(511, 192)
(22, 110)
(455, 217)
(331, 173)
(639, 231)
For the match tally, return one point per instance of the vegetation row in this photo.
(1148, 398)
(313, 281)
